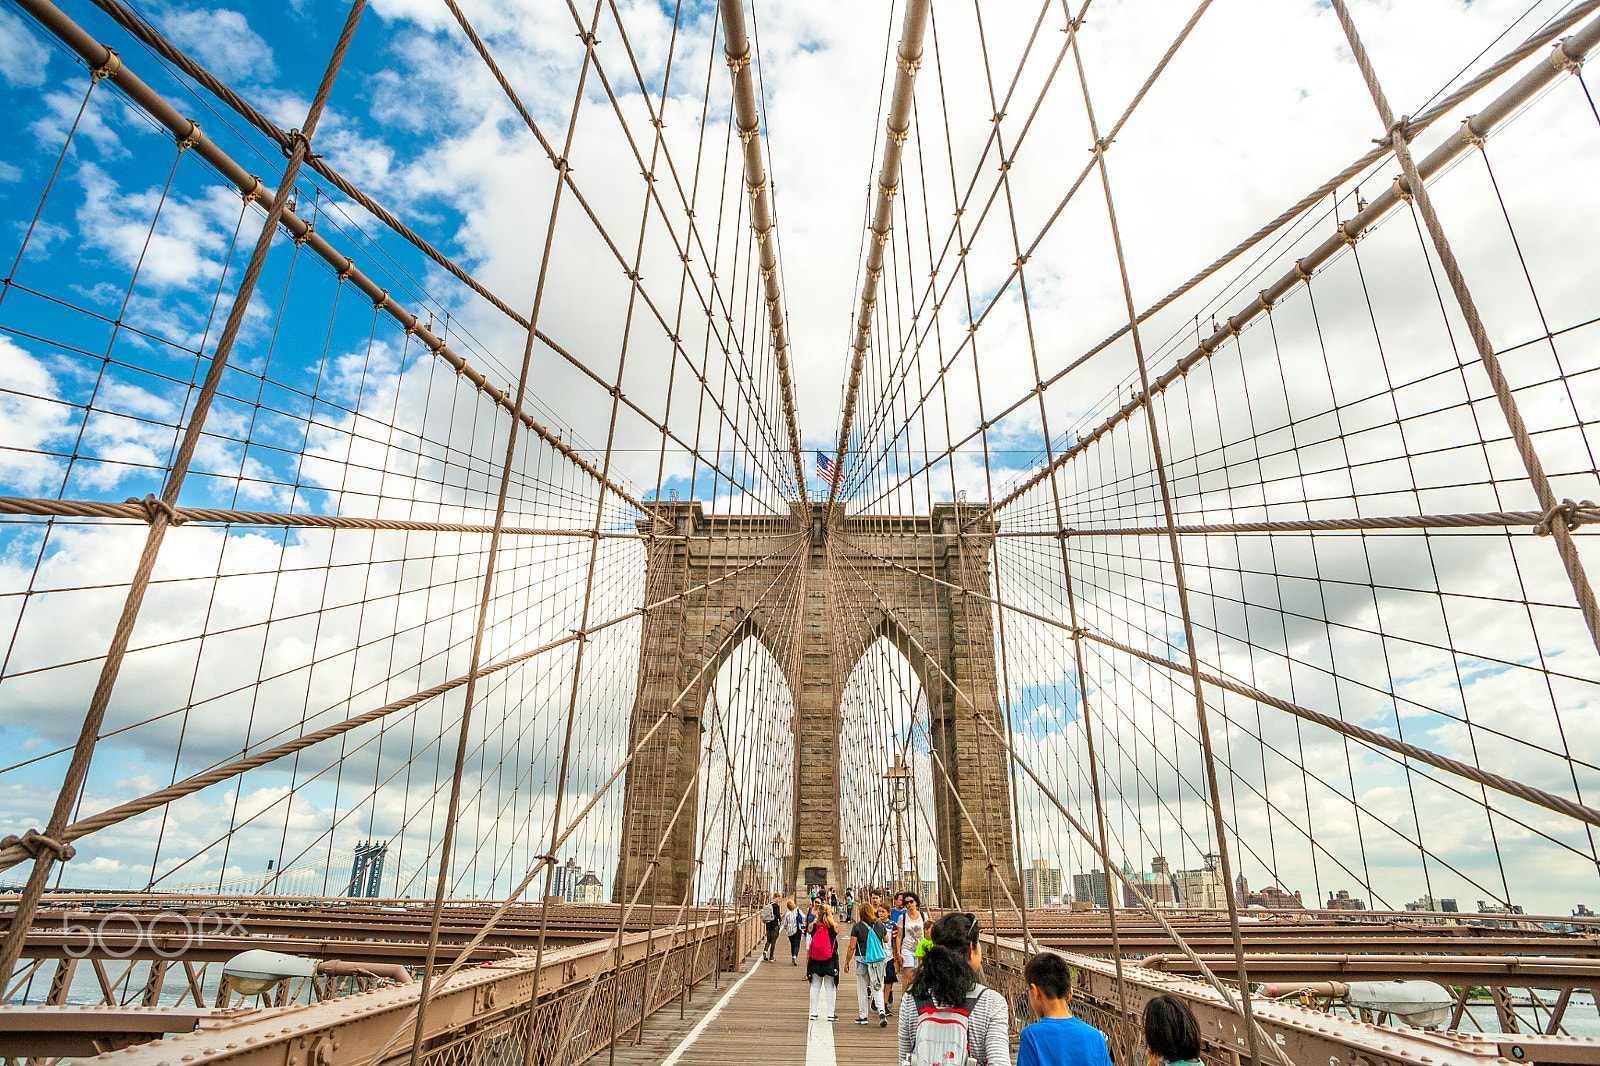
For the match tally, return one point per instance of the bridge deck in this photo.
(762, 1017)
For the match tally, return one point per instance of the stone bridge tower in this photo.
(817, 596)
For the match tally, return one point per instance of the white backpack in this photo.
(942, 1032)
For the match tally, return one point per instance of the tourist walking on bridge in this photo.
(822, 965)
(772, 918)
(1171, 1032)
(908, 933)
(946, 1006)
(1057, 1038)
(868, 946)
(794, 929)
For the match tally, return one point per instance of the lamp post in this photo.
(777, 862)
(898, 779)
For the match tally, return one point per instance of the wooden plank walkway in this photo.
(760, 1017)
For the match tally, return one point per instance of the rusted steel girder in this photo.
(188, 132)
(736, 45)
(907, 58)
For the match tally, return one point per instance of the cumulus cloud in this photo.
(223, 42)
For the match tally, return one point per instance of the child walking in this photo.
(868, 938)
(1057, 1038)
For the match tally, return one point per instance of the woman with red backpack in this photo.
(822, 964)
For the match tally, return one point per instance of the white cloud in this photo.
(222, 41)
(24, 59)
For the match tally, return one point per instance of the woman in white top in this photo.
(948, 977)
(908, 933)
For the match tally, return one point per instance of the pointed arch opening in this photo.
(889, 832)
(747, 774)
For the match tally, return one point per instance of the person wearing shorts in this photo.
(908, 933)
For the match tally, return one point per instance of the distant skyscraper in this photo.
(1158, 865)
(1201, 889)
(1091, 888)
(1343, 901)
(1041, 885)
(567, 877)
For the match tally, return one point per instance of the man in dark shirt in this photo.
(772, 916)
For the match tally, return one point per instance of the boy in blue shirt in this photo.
(1057, 1038)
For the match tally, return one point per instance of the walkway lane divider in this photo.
(716, 1008)
(819, 1043)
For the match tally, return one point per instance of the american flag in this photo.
(825, 469)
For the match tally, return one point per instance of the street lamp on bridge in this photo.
(898, 779)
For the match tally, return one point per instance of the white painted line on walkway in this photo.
(716, 1009)
(819, 1043)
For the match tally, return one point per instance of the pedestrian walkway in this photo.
(762, 1019)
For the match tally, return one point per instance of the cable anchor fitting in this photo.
(299, 139)
(1562, 60)
(36, 844)
(1400, 126)
(110, 68)
(154, 505)
(1571, 514)
(381, 299)
(249, 195)
(190, 139)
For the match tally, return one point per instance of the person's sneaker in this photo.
(833, 1017)
(813, 1017)
(883, 1019)
(861, 1021)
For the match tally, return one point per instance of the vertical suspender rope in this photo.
(488, 577)
(1159, 462)
(45, 848)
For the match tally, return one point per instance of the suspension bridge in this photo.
(426, 554)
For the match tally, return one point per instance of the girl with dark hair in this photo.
(947, 979)
(1171, 1032)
